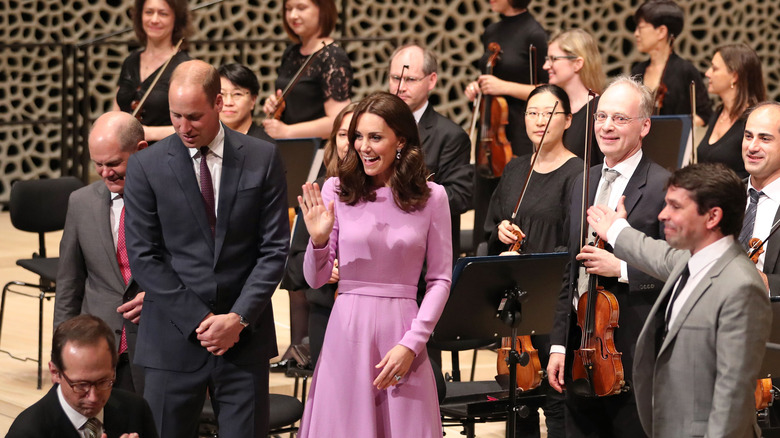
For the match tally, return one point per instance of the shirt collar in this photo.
(709, 254)
(73, 415)
(627, 167)
(419, 113)
(217, 145)
(772, 190)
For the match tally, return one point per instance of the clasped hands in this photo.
(218, 333)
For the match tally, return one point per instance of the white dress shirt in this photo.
(74, 416)
(419, 113)
(115, 213)
(214, 161)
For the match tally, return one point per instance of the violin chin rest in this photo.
(581, 388)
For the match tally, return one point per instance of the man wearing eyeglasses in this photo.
(82, 403)
(621, 121)
(446, 147)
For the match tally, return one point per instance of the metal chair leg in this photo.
(40, 335)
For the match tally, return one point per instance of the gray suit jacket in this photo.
(88, 276)
(702, 380)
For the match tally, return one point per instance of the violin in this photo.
(281, 104)
(137, 105)
(598, 367)
(528, 376)
(493, 150)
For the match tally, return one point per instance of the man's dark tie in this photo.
(124, 268)
(750, 218)
(680, 285)
(207, 189)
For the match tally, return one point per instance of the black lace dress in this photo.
(328, 76)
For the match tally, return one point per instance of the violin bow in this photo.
(156, 78)
(401, 80)
(532, 63)
(298, 74)
(586, 167)
(533, 162)
(754, 249)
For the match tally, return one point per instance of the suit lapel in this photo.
(772, 248)
(180, 163)
(114, 422)
(705, 283)
(634, 188)
(232, 165)
(425, 127)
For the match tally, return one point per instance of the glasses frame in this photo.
(241, 93)
(407, 79)
(545, 114)
(615, 121)
(78, 387)
(552, 58)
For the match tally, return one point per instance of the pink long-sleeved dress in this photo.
(381, 250)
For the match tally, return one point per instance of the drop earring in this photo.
(398, 154)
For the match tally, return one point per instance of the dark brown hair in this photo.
(82, 330)
(328, 17)
(742, 60)
(331, 155)
(714, 185)
(182, 22)
(662, 13)
(408, 181)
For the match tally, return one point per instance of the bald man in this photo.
(90, 279)
(207, 236)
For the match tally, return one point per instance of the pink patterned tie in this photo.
(124, 268)
(207, 189)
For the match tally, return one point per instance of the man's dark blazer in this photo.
(644, 200)
(772, 260)
(188, 273)
(88, 276)
(124, 412)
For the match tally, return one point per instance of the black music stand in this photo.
(493, 292)
(771, 364)
(302, 158)
(669, 141)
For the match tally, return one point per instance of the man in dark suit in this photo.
(207, 235)
(622, 120)
(700, 350)
(446, 147)
(90, 278)
(83, 400)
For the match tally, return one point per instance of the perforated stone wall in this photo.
(30, 78)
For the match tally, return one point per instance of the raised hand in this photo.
(318, 217)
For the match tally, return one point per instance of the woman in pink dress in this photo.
(382, 221)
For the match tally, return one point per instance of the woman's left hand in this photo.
(396, 362)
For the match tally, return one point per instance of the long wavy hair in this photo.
(408, 181)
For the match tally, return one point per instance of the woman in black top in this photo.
(658, 23)
(515, 32)
(325, 88)
(158, 25)
(541, 217)
(735, 76)
(239, 88)
(574, 64)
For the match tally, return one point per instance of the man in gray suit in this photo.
(700, 349)
(207, 236)
(89, 279)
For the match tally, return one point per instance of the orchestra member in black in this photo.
(326, 85)
(735, 77)
(159, 25)
(658, 24)
(239, 96)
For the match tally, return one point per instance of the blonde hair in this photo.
(577, 42)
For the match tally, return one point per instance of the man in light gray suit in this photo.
(89, 278)
(700, 350)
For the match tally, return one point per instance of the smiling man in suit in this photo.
(622, 121)
(93, 275)
(700, 350)
(207, 236)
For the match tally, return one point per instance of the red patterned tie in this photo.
(207, 189)
(124, 268)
